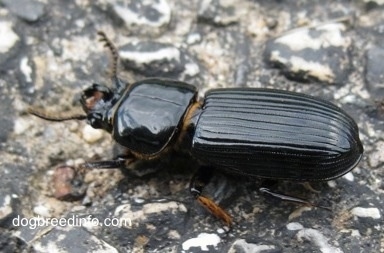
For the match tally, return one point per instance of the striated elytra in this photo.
(276, 134)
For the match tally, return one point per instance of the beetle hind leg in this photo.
(284, 197)
(198, 181)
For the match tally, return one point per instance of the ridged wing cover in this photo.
(276, 134)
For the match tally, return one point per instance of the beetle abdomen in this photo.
(275, 134)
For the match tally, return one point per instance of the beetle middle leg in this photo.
(198, 181)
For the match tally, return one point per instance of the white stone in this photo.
(202, 241)
(365, 212)
(92, 135)
(8, 37)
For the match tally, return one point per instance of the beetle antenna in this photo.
(113, 50)
(59, 117)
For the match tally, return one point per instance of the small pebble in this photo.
(202, 241)
(349, 176)
(6, 208)
(332, 184)
(316, 238)
(242, 245)
(143, 13)
(371, 212)
(92, 135)
(193, 38)
(26, 69)
(42, 211)
(28, 10)
(62, 181)
(376, 158)
(65, 184)
(8, 37)
(174, 234)
(21, 125)
(294, 226)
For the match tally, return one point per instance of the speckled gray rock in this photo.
(144, 17)
(218, 12)
(374, 72)
(49, 62)
(13, 189)
(376, 159)
(7, 208)
(142, 224)
(9, 44)
(10, 243)
(70, 239)
(28, 10)
(153, 59)
(371, 4)
(242, 245)
(319, 53)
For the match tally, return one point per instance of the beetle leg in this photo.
(290, 198)
(122, 158)
(198, 181)
(118, 162)
(106, 164)
(309, 187)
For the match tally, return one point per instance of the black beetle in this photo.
(264, 133)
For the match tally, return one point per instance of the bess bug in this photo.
(263, 133)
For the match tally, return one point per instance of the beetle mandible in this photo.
(254, 132)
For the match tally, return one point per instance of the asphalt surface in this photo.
(49, 53)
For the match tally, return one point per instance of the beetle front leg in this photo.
(105, 164)
(118, 162)
(198, 181)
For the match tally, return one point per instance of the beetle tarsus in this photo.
(198, 181)
(214, 209)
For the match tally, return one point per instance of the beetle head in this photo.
(97, 101)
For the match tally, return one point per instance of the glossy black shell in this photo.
(148, 115)
(275, 134)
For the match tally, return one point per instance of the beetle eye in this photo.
(90, 100)
(95, 96)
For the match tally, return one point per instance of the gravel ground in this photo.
(49, 53)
